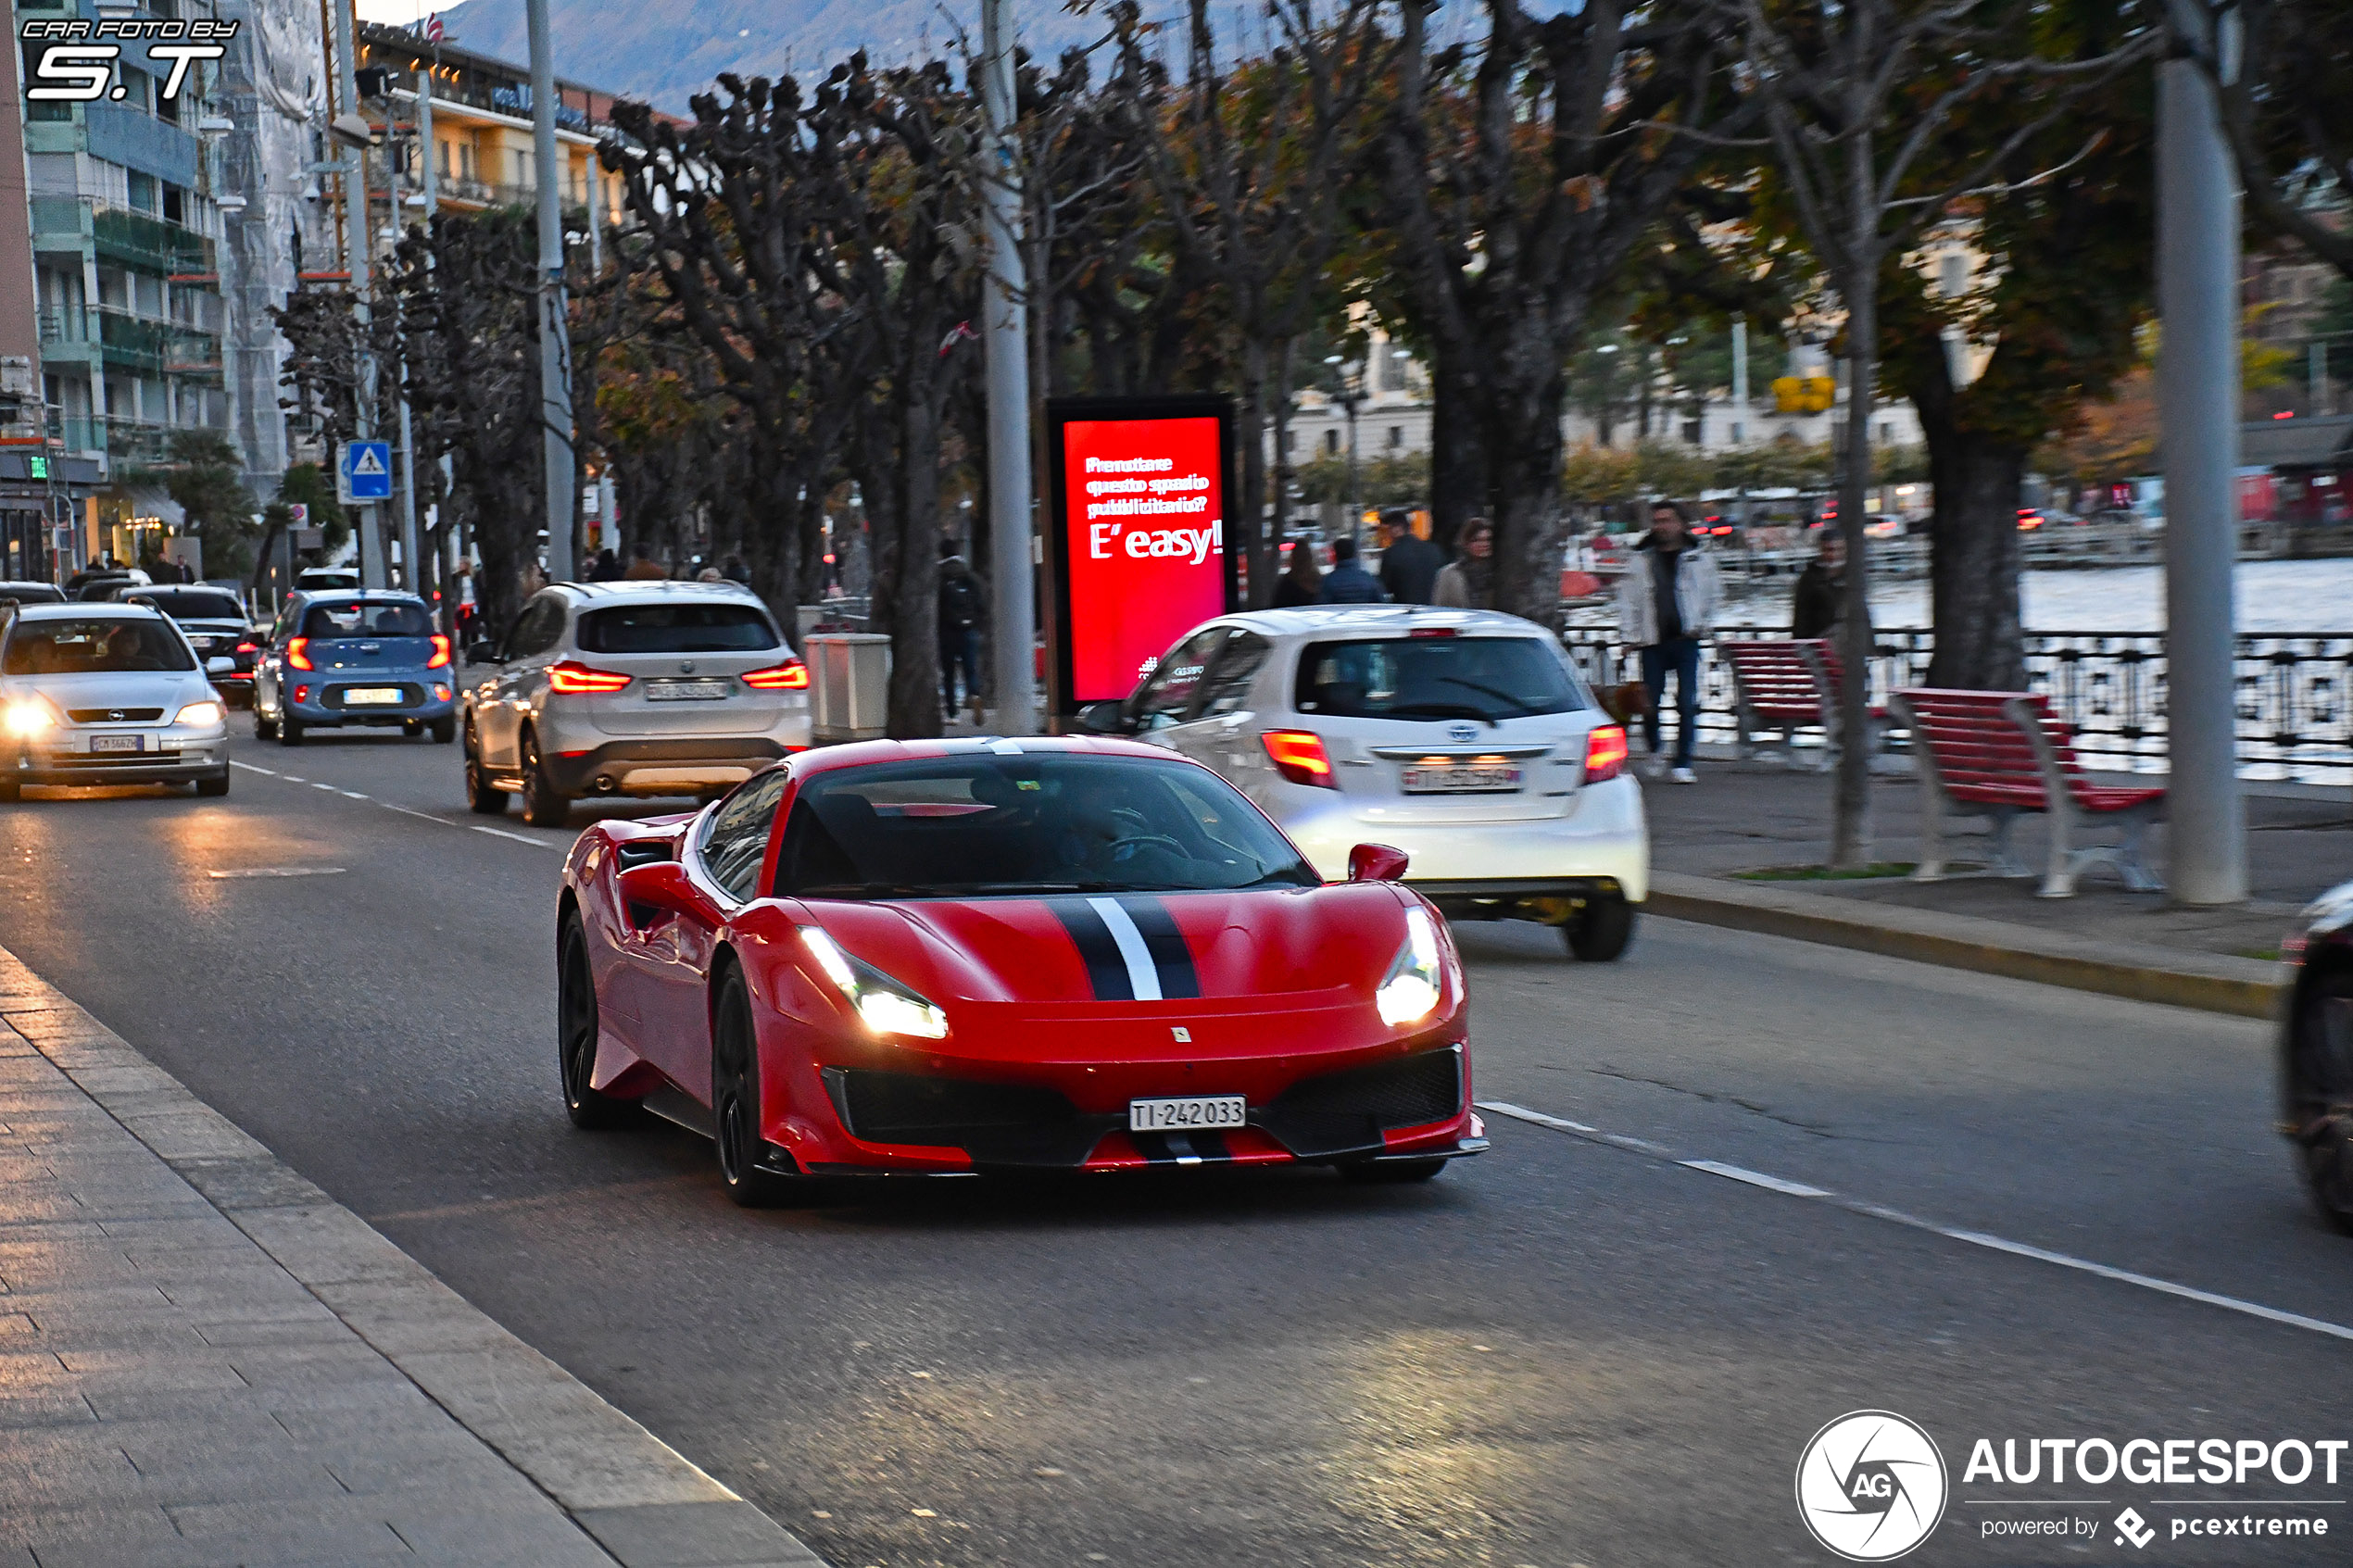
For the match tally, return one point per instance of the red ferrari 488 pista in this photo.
(972, 955)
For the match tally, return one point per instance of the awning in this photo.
(2296, 444)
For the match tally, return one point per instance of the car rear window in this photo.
(358, 617)
(183, 604)
(960, 826)
(93, 648)
(1482, 678)
(31, 594)
(676, 628)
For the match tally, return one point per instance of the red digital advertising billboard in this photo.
(1139, 536)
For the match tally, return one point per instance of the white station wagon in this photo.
(1462, 738)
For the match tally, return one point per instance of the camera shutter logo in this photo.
(1871, 1485)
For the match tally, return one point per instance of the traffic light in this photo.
(1803, 395)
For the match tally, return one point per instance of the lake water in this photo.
(2273, 596)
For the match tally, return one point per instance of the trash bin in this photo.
(849, 685)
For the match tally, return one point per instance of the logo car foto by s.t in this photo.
(1871, 1485)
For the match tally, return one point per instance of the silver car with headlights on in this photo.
(95, 694)
(629, 688)
(1462, 738)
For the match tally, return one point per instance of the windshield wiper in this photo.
(1521, 709)
(1434, 710)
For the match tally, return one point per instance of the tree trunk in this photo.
(1459, 482)
(1973, 563)
(1280, 408)
(1248, 511)
(1526, 475)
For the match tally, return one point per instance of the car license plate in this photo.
(118, 743)
(686, 691)
(370, 697)
(1458, 780)
(1183, 1113)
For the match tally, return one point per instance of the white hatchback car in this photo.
(629, 688)
(1462, 737)
(105, 694)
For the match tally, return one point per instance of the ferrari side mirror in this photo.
(657, 890)
(1375, 862)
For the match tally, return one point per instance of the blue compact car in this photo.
(345, 658)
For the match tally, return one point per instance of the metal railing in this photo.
(2294, 691)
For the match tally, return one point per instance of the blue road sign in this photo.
(366, 470)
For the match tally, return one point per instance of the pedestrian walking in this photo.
(1303, 580)
(1468, 581)
(1347, 583)
(734, 571)
(603, 567)
(643, 567)
(1409, 564)
(1667, 604)
(1821, 589)
(962, 608)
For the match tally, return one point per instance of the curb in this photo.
(645, 1503)
(2210, 982)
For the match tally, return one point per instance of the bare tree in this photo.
(2287, 109)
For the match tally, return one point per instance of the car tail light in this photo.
(1299, 757)
(295, 657)
(440, 659)
(789, 676)
(248, 647)
(1431, 631)
(1604, 753)
(302, 694)
(570, 676)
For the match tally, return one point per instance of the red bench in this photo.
(1997, 754)
(1785, 684)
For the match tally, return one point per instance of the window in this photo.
(1487, 679)
(736, 840)
(538, 629)
(141, 189)
(1331, 443)
(191, 603)
(360, 618)
(1396, 437)
(1168, 691)
(677, 628)
(1692, 431)
(93, 648)
(1290, 441)
(1226, 686)
(976, 824)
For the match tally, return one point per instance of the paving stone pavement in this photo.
(206, 1362)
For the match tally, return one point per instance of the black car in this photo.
(2317, 1053)
(31, 594)
(216, 626)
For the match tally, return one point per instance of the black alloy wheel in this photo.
(2320, 1091)
(216, 784)
(576, 1035)
(734, 1099)
(1599, 931)
(482, 798)
(544, 806)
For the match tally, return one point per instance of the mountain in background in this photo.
(665, 51)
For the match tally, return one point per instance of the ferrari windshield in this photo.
(1041, 823)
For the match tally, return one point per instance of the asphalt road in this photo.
(1573, 1350)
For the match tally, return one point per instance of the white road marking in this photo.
(1950, 1233)
(502, 832)
(265, 772)
(351, 794)
(277, 871)
(1142, 978)
(1755, 1178)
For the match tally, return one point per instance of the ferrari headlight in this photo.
(28, 716)
(883, 1005)
(198, 713)
(1409, 992)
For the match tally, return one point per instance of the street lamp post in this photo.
(1005, 320)
(555, 344)
(2197, 298)
(1350, 395)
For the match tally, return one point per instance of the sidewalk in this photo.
(1711, 841)
(205, 1360)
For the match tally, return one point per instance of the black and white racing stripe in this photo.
(1131, 946)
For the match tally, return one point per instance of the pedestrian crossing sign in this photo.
(363, 472)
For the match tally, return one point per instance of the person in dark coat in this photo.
(1409, 565)
(1348, 584)
(964, 607)
(1303, 580)
(1822, 588)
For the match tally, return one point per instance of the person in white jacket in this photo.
(1666, 604)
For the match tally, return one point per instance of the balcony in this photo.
(149, 346)
(149, 245)
(135, 443)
